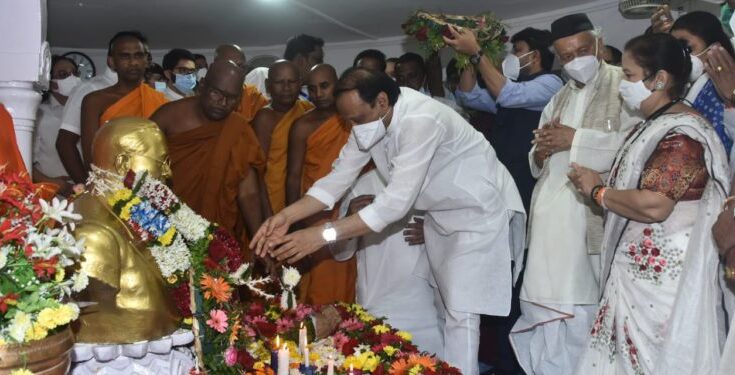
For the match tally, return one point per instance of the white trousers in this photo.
(549, 339)
(461, 339)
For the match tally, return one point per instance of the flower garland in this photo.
(39, 260)
(428, 29)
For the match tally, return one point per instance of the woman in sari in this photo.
(658, 312)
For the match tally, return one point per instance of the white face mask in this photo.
(697, 66)
(201, 73)
(368, 134)
(512, 65)
(64, 86)
(634, 93)
(582, 69)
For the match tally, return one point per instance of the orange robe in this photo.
(252, 101)
(141, 102)
(275, 171)
(326, 280)
(11, 161)
(208, 164)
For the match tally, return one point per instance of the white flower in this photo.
(19, 325)
(291, 277)
(3, 256)
(239, 272)
(189, 224)
(173, 258)
(60, 211)
(287, 297)
(80, 281)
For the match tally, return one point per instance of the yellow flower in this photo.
(2, 342)
(273, 314)
(369, 361)
(416, 370)
(404, 335)
(47, 318)
(22, 371)
(167, 237)
(172, 279)
(125, 212)
(120, 195)
(64, 314)
(60, 273)
(188, 321)
(313, 357)
(36, 332)
(258, 365)
(356, 362)
(381, 328)
(389, 350)
(365, 316)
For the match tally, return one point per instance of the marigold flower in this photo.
(216, 288)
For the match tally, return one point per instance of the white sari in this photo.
(658, 313)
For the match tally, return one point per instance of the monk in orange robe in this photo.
(11, 160)
(252, 100)
(130, 96)
(216, 160)
(273, 123)
(315, 141)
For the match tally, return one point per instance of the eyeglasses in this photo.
(219, 95)
(184, 70)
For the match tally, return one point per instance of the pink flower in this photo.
(339, 340)
(256, 320)
(302, 311)
(647, 232)
(218, 320)
(351, 325)
(283, 325)
(662, 262)
(637, 258)
(632, 247)
(230, 356)
(249, 332)
(651, 260)
(648, 243)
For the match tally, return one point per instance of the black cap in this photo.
(570, 25)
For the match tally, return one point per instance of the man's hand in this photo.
(358, 203)
(555, 137)
(720, 67)
(295, 246)
(584, 179)
(661, 20)
(463, 40)
(724, 230)
(270, 231)
(414, 232)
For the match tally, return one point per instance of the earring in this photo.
(659, 85)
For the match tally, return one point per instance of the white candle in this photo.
(302, 338)
(330, 366)
(306, 357)
(352, 370)
(283, 360)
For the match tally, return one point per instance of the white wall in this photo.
(603, 13)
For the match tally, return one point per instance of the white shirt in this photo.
(385, 285)
(171, 95)
(434, 161)
(257, 78)
(45, 156)
(71, 120)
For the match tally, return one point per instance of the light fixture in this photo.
(639, 8)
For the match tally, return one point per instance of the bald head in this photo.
(321, 82)
(221, 89)
(231, 52)
(283, 83)
(282, 66)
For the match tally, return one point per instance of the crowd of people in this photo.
(581, 191)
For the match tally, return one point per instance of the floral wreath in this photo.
(428, 29)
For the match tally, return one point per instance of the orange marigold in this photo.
(217, 288)
(424, 361)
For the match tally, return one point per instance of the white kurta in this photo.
(385, 284)
(436, 162)
(71, 120)
(45, 156)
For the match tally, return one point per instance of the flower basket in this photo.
(48, 356)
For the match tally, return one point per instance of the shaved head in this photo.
(281, 66)
(283, 83)
(321, 82)
(221, 89)
(231, 52)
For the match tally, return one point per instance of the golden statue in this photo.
(132, 303)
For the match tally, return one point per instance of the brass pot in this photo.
(50, 356)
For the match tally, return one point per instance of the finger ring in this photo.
(719, 68)
(729, 273)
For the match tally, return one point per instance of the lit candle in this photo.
(330, 366)
(274, 355)
(283, 360)
(352, 370)
(306, 356)
(302, 338)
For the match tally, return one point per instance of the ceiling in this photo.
(204, 24)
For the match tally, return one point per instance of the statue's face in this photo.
(142, 149)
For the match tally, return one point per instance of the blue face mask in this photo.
(186, 83)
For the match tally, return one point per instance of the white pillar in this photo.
(25, 60)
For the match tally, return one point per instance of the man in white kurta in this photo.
(435, 161)
(561, 286)
(385, 283)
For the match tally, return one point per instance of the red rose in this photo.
(349, 347)
(655, 252)
(642, 268)
(647, 232)
(256, 309)
(129, 179)
(657, 268)
(245, 359)
(267, 329)
(182, 299)
(644, 251)
(422, 34)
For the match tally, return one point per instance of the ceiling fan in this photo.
(645, 8)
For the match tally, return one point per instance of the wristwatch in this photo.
(329, 233)
(475, 59)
